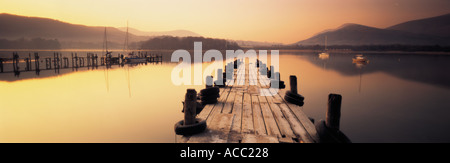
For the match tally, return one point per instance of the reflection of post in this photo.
(360, 81)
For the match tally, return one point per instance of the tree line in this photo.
(394, 47)
(34, 43)
(187, 43)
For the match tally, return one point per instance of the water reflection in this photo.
(428, 69)
(386, 100)
(394, 98)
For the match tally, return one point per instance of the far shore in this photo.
(223, 51)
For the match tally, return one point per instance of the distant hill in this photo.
(176, 33)
(174, 43)
(430, 33)
(435, 26)
(70, 35)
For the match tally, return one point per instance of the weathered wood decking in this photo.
(251, 112)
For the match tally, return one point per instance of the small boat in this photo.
(132, 58)
(359, 59)
(324, 55)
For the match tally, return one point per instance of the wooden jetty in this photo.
(58, 62)
(249, 111)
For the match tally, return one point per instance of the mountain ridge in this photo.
(13, 27)
(357, 34)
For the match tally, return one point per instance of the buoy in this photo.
(198, 127)
(297, 99)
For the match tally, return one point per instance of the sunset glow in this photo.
(284, 21)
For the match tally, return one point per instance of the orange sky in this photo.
(285, 21)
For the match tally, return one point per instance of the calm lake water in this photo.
(393, 98)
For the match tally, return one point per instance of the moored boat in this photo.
(359, 59)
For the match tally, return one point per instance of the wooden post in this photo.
(72, 60)
(27, 64)
(277, 76)
(190, 106)
(61, 60)
(36, 61)
(293, 83)
(1, 64)
(209, 81)
(76, 60)
(219, 74)
(334, 111)
(272, 72)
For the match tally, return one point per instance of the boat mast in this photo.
(105, 43)
(125, 48)
(326, 38)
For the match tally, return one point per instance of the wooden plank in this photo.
(250, 138)
(283, 124)
(237, 111)
(253, 90)
(258, 119)
(204, 114)
(219, 106)
(269, 120)
(296, 126)
(301, 116)
(217, 131)
(229, 102)
(247, 117)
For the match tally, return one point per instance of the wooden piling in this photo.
(209, 81)
(293, 83)
(334, 111)
(1, 64)
(66, 62)
(15, 61)
(36, 61)
(190, 106)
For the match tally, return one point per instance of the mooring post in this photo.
(293, 83)
(271, 73)
(334, 111)
(96, 60)
(76, 60)
(60, 60)
(190, 106)
(27, 64)
(1, 64)
(209, 81)
(36, 61)
(30, 66)
(72, 60)
(14, 62)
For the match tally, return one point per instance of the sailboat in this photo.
(359, 58)
(105, 45)
(324, 55)
(131, 58)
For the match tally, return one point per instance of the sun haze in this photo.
(284, 21)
